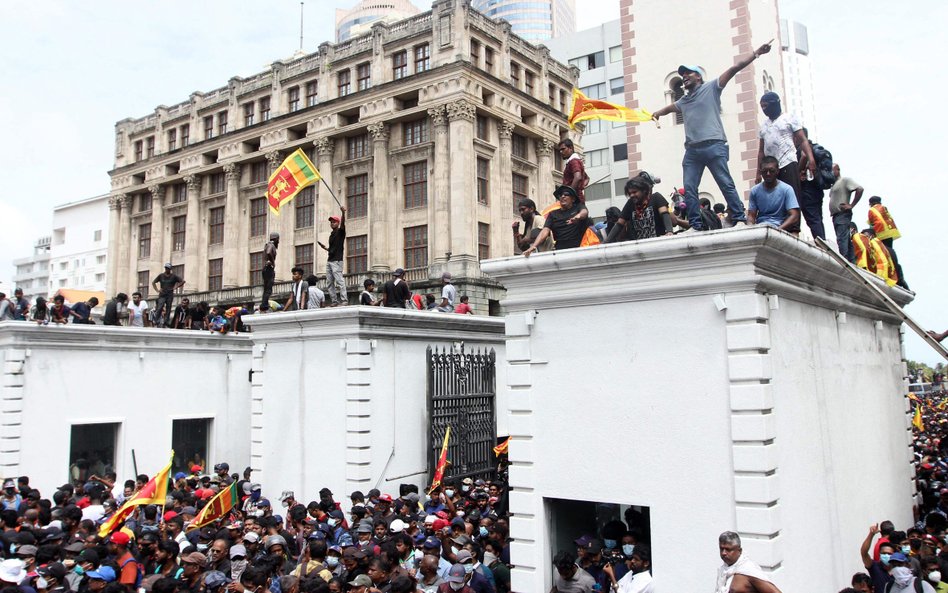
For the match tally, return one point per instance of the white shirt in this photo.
(136, 313)
(777, 135)
(636, 583)
(315, 299)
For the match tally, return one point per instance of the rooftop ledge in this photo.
(357, 321)
(759, 259)
(25, 334)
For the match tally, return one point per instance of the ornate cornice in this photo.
(380, 132)
(462, 109)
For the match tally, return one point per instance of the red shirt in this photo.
(129, 568)
(463, 308)
(574, 165)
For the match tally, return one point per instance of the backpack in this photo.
(139, 571)
(916, 581)
(824, 166)
(709, 220)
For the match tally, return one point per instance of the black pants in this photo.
(895, 261)
(791, 176)
(811, 207)
(268, 275)
(163, 309)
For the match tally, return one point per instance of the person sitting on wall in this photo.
(645, 215)
(566, 225)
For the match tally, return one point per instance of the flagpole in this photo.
(323, 179)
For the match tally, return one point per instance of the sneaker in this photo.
(740, 223)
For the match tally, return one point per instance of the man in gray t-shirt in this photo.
(705, 142)
(841, 209)
(449, 294)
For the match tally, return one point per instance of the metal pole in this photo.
(330, 191)
(134, 463)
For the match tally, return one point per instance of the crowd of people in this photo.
(914, 557)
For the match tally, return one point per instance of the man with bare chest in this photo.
(739, 574)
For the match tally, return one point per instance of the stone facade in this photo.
(427, 129)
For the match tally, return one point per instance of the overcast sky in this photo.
(70, 70)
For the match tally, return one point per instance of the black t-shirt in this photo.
(180, 313)
(651, 221)
(396, 294)
(83, 311)
(337, 244)
(110, 317)
(167, 283)
(366, 298)
(566, 236)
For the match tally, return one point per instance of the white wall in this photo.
(710, 378)
(55, 377)
(74, 229)
(339, 395)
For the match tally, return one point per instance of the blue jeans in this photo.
(714, 156)
(844, 241)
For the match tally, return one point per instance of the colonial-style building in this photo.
(429, 130)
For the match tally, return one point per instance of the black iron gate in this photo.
(461, 388)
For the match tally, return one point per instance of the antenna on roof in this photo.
(301, 26)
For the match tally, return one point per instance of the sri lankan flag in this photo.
(217, 507)
(296, 172)
(502, 448)
(154, 492)
(917, 419)
(442, 462)
(585, 108)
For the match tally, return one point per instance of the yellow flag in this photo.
(917, 420)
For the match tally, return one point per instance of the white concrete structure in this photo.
(118, 390)
(32, 273)
(339, 395)
(799, 97)
(732, 380)
(534, 21)
(597, 52)
(79, 253)
(358, 20)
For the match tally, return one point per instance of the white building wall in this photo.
(800, 96)
(79, 252)
(339, 396)
(32, 273)
(732, 380)
(55, 377)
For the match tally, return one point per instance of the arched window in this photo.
(673, 92)
(767, 81)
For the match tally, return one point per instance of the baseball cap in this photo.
(27, 550)
(334, 219)
(898, 557)
(103, 573)
(194, 558)
(54, 569)
(362, 580)
(432, 543)
(456, 574)
(594, 547)
(398, 273)
(397, 526)
(238, 550)
(685, 68)
(215, 579)
(464, 556)
(252, 537)
(168, 266)
(386, 497)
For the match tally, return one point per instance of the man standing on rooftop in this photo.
(705, 143)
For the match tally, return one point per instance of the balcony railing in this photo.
(248, 294)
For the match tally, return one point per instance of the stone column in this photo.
(125, 244)
(325, 205)
(382, 203)
(232, 247)
(501, 209)
(158, 231)
(192, 235)
(439, 206)
(282, 224)
(112, 284)
(545, 185)
(463, 262)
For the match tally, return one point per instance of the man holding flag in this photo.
(705, 143)
(155, 491)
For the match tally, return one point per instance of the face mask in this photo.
(456, 586)
(459, 513)
(332, 561)
(610, 544)
(468, 568)
(237, 568)
(906, 550)
(79, 570)
(331, 522)
(934, 576)
(465, 488)
(285, 503)
(449, 493)
(489, 558)
(772, 110)
(258, 513)
(483, 531)
(627, 550)
(455, 550)
(201, 547)
(41, 583)
(885, 558)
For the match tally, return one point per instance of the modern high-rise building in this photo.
(32, 272)
(799, 98)
(533, 21)
(78, 258)
(429, 131)
(358, 20)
